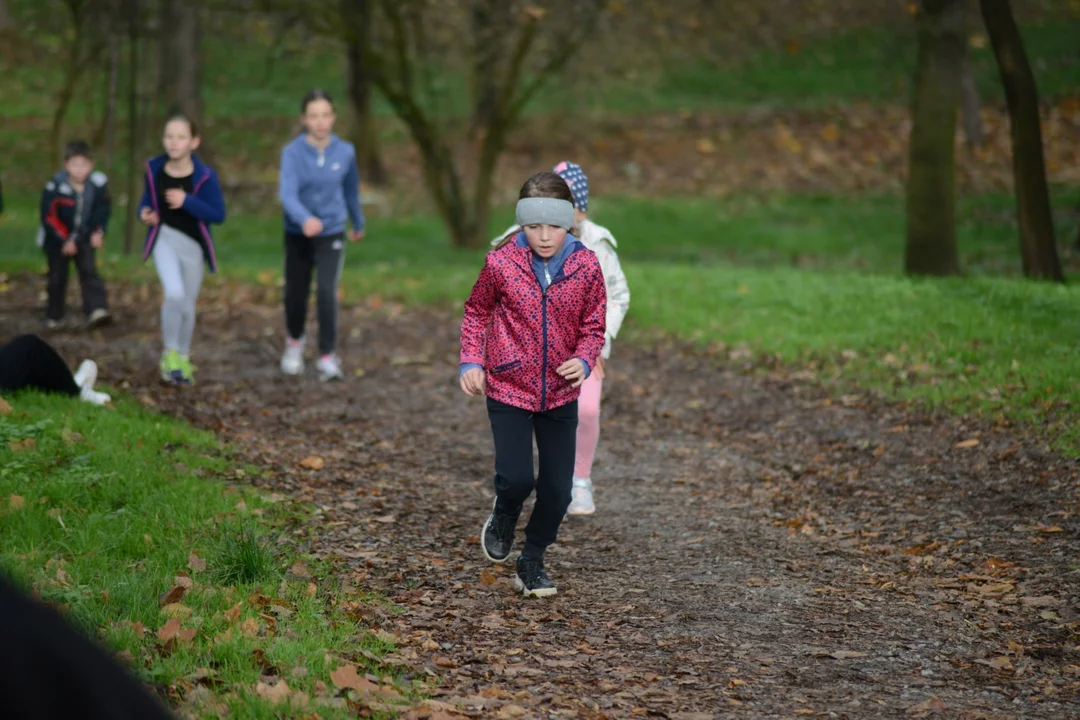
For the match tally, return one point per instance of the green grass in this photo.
(102, 514)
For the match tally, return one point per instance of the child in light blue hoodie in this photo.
(319, 188)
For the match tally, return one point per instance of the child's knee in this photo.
(175, 299)
(519, 482)
(589, 413)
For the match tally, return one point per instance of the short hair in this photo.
(77, 148)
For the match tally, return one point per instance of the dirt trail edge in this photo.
(760, 549)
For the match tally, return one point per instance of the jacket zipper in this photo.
(543, 365)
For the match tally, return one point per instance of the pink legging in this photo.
(588, 431)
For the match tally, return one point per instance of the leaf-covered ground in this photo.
(761, 549)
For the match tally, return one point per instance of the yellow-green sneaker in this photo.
(187, 370)
(171, 367)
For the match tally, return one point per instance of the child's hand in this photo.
(573, 370)
(69, 249)
(149, 217)
(312, 227)
(600, 368)
(472, 382)
(97, 240)
(356, 235)
(175, 198)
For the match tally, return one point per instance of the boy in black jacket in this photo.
(75, 209)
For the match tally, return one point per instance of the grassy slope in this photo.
(102, 514)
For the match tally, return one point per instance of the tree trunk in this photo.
(970, 105)
(180, 81)
(110, 103)
(134, 131)
(364, 134)
(72, 72)
(931, 186)
(1038, 247)
(487, 24)
(7, 22)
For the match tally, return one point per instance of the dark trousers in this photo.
(30, 362)
(556, 441)
(324, 256)
(90, 281)
(49, 670)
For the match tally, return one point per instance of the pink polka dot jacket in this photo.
(521, 333)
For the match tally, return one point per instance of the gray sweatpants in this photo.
(179, 262)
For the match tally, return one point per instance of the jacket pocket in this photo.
(505, 367)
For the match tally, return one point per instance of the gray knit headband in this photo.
(545, 211)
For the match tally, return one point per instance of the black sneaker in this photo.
(497, 537)
(531, 580)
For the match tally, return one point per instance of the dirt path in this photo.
(760, 550)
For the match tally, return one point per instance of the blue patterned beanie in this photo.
(579, 184)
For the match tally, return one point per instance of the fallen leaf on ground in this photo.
(1041, 601)
(274, 693)
(932, 706)
(250, 627)
(196, 563)
(176, 594)
(313, 462)
(346, 677)
(299, 569)
(176, 610)
(183, 581)
(5, 407)
(169, 630)
(16, 502)
(1001, 662)
(233, 613)
(24, 444)
(486, 578)
(967, 443)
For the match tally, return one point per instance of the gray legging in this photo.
(179, 262)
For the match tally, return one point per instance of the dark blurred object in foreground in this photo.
(49, 670)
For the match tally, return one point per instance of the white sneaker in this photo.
(329, 367)
(98, 318)
(292, 361)
(582, 499)
(86, 375)
(94, 397)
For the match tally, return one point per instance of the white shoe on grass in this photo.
(94, 397)
(581, 502)
(86, 375)
(292, 360)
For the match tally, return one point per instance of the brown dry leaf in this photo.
(1042, 601)
(511, 711)
(967, 443)
(274, 693)
(444, 662)
(169, 630)
(24, 444)
(804, 711)
(346, 677)
(387, 637)
(183, 581)
(385, 519)
(1001, 662)
(187, 635)
(175, 595)
(705, 146)
(233, 613)
(299, 569)
(486, 578)
(16, 502)
(1048, 528)
(176, 610)
(140, 630)
(310, 590)
(5, 407)
(932, 706)
(250, 627)
(535, 13)
(196, 563)
(430, 645)
(313, 462)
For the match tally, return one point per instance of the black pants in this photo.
(324, 255)
(30, 362)
(556, 442)
(90, 282)
(51, 671)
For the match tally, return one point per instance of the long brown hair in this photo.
(544, 184)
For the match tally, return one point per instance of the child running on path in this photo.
(75, 209)
(532, 333)
(319, 189)
(600, 240)
(181, 199)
